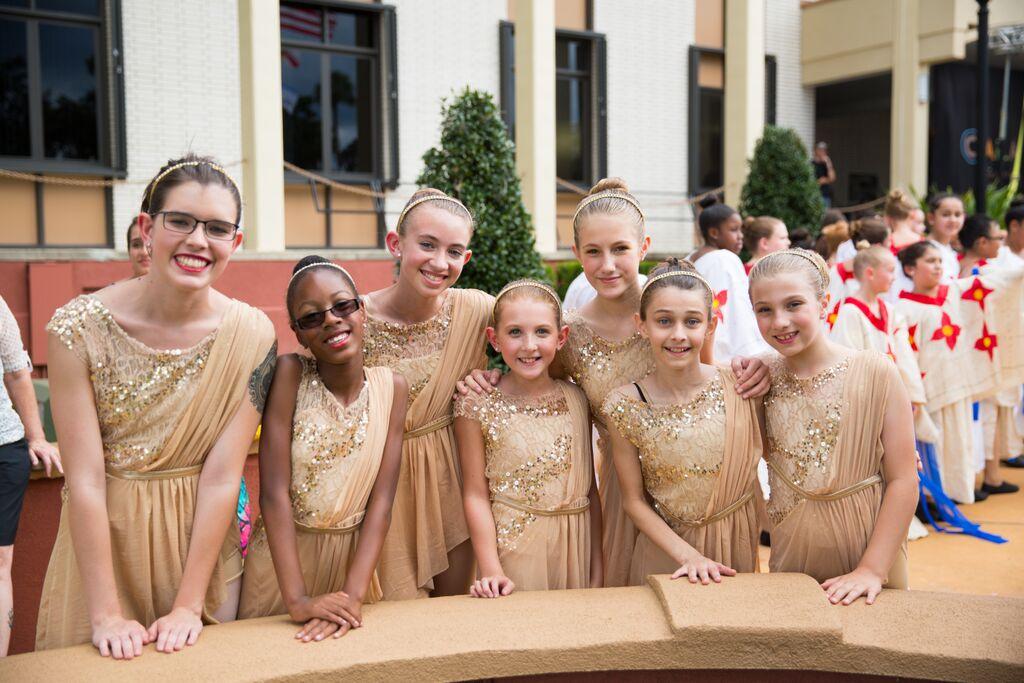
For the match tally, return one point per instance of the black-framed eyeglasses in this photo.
(340, 309)
(184, 223)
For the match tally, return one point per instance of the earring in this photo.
(149, 248)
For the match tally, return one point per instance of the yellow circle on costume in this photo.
(947, 330)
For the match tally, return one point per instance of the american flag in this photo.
(304, 21)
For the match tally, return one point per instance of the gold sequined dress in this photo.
(427, 519)
(336, 454)
(699, 463)
(598, 366)
(825, 465)
(160, 412)
(539, 471)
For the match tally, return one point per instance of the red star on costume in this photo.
(986, 342)
(834, 315)
(912, 337)
(720, 300)
(977, 293)
(947, 331)
(888, 352)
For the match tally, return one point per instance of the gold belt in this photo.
(337, 530)
(834, 495)
(154, 475)
(540, 511)
(432, 426)
(697, 523)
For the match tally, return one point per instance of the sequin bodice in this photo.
(528, 446)
(598, 365)
(802, 419)
(138, 390)
(327, 439)
(681, 448)
(412, 350)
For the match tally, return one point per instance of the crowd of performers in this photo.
(785, 396)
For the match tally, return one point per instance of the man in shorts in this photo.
(22, 445)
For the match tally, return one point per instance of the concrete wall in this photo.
(648, 47)
(760, 622)
(794, 102)
(181, 91)
(442, 48)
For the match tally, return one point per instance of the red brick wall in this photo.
(34, 290)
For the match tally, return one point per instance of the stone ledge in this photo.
(750, 622)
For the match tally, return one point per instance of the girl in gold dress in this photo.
(604, 350)
(840, 440)
(330, 449)
(686, 446)
(528, 484)
(433, 335)
(157, 388)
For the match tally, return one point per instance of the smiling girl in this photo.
(605, 350)
(151, 479)
(686, 445)
(433, 335)
(528, 476)
(329, 457)
(840, 441)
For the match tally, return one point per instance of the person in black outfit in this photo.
(824, 172)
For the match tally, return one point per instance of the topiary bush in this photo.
(475, 162)
(781, 182)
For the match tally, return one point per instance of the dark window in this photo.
(60, 86)
(338, 89)
(580, 109)
(707, 119)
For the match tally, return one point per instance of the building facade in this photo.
(106, 91)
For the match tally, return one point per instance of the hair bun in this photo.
(708, 201)
(613, 183)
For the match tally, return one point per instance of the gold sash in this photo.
(154, 475)
(516, 505)
(826, 497)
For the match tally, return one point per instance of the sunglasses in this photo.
(341, 309)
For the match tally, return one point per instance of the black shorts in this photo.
(14, 470)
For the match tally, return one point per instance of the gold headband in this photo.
(429, 198)
(323, 263)
(608, 194)
(175, 167)
(804, 254)
(528, 283)
(689, 273)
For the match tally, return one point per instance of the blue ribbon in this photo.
(952, 520)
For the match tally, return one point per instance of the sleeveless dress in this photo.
(699, 463)
(825, 459)
(539, 471)
(427, 519)
(336, 454)
(598, 366)
(154, 446)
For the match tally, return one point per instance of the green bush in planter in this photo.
(475, 162)
(781, 182)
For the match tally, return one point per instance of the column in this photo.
(259, 36)
(535, 115)
(908, 139)
(744, 89)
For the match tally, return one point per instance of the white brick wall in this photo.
(648, 45)
(794, 104)
(181, 91)
(442, 48)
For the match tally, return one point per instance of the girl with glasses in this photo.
(146, 551)
(433, 335)
(330, 451)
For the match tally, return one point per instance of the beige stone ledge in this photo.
(757, 622)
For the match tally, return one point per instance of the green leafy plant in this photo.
(781, 182)
(475, 162)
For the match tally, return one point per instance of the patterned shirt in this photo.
(13, 358)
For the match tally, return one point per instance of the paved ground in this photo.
(964, 564)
